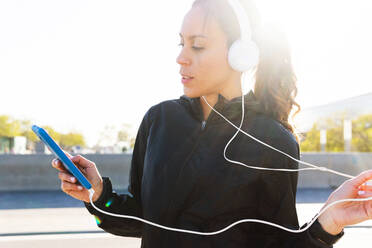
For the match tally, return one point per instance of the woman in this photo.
(179, 177)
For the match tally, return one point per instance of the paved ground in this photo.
(44, 219)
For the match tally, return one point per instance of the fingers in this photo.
(364, 194)
(366, 186)
(66, 177)
(56, 163)
(78, 160)
(66, 187)
(83, 162)
(361, 178)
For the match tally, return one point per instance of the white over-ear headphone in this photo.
(243, 53)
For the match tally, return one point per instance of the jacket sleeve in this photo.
(277, 202)
(126, 204)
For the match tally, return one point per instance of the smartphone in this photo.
(57, 151)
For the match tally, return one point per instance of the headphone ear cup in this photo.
(243, 55)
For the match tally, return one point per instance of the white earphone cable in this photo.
(314, 167)
(91, 193)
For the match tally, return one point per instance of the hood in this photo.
(229, 108)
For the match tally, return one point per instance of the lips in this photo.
(186, 78)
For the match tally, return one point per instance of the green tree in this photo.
(72, 139)
(9, 127)
(27, 132)
(335, 135)
(312, 140)
(335, 139)
(362, 134)
(56, 136)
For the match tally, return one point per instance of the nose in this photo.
(183, 59)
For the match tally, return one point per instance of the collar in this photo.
(229, 108)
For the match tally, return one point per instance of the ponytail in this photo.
(275, 81)
(275, 85)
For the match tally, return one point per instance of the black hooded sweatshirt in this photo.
(180, 178)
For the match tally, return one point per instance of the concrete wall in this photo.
(348, 163)
(34, 172)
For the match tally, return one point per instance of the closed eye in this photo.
(193, 47)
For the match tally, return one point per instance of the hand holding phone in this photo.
(69, 183)
(74, 170)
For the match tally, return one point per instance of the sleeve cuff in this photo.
(106, 193)
(317, 233)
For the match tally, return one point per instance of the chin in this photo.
(191, 93)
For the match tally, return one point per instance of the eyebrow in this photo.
(191, 37)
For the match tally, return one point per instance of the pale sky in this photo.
(80, 65)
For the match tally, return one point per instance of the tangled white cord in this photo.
(313, 167)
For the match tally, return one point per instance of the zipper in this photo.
(204, 123)
(171, 203)
(203, 127)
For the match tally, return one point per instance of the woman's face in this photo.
(203, 56)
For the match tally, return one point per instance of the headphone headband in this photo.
(243, 20)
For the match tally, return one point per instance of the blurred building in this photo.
(14, 145)
(350, 108)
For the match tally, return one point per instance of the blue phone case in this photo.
(54, 148)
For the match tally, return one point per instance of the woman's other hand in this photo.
(69, 183)
(334, 219)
